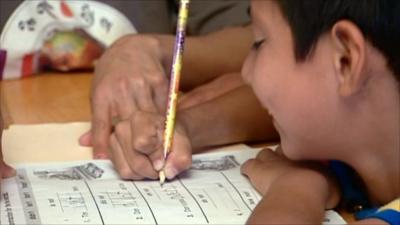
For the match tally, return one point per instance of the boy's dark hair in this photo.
(379, 20)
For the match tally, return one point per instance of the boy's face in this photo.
(299, 95)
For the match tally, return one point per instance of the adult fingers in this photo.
(139, 163)
(101, 125)
(147, 131)
(86, 139)
(123, 98)
(147, 136)
(180, 157)
(211, 90)
(119, 161)
(159, 86)
(144, 96)
(192, 98)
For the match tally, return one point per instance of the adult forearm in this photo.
(234, 117)
(208, 56)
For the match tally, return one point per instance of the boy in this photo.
(328, 72)
(332, 87)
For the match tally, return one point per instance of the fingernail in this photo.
(170, 172)
(158, 164)
(12, 172)
(101, 155)
(8, 171)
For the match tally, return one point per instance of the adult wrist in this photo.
(148, 44)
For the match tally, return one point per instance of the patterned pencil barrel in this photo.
(174, 80)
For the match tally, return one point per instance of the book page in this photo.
(90, 192)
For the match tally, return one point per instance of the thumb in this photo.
(180, 158)
(86, 139)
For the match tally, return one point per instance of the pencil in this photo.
(174, 82)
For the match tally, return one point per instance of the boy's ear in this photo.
(349, 57)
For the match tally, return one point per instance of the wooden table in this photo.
(46, 98)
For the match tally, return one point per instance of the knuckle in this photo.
(122, 88)
(120, 83)
(140, 82)
(141, 143)
(159, 79)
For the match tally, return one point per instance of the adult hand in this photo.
(136, 147)
(128, 77)
(211, 90)
(131, 76)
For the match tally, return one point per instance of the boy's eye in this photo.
(257, 44)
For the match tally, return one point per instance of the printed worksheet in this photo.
(90, 192)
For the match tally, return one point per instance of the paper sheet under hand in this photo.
(90, 192)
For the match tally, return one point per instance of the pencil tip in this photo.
(162, 177)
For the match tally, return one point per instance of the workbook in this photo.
(212, 191)
(59, 183)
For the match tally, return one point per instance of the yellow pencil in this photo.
(174, 83)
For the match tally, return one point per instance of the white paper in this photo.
(90, 192)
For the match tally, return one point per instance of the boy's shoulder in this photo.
(389, 213)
